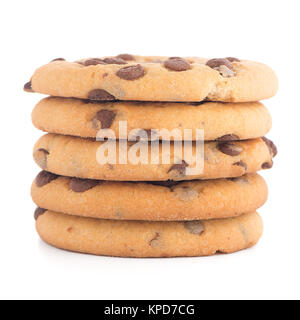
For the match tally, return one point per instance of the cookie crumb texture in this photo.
(76, 157)
(156, 79)
(149, 239)
(190, 200)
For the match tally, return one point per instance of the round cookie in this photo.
(156, 79)
(148, 239)
(220, 121)
(152, 201)
(78, 157)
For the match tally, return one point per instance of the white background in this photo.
(34, 32)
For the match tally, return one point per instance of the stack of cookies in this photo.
(119, 176)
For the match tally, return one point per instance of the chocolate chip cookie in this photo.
(153, 201)
(220, 121)
(156, 79)
(148, 239)
(82, 158)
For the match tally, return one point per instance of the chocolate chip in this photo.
(44, 177)
(58, 59)
(194, 227)
(131, 72)
(224, 67)
(228, 137)
(241, 164)
(230, 148)
(114, 61)
(27, 87)
(81, 185)
(92, 62)
(100, 95)
(179, 167)
(126, 57)
(232, 59)
(38, 212)
(270, 144)
(41, 157)
(215, 63)
(267, 165)
(155, 242)
(177, 64)
(106, 118)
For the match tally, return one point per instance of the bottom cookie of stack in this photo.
(148, 239)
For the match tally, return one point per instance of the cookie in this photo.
(153, 201)
(220, 121)
(156, 79)
(78, 157)
(148, 239)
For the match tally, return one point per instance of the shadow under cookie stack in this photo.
(151, 209)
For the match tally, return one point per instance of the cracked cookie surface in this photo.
(156, 79)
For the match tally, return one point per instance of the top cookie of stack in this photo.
(128, 77)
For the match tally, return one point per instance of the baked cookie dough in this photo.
(156, 79)
(152, 201)
(148, 239)
(78, 157)
(220, 121)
